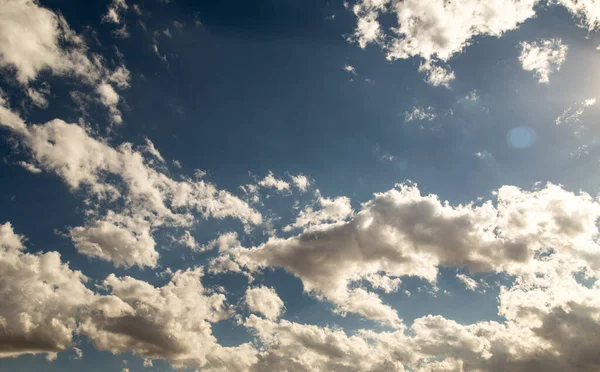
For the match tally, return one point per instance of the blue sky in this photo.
(304, 186)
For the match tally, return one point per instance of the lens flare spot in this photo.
(521, 137)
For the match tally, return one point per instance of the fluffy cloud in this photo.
(265, 301)
(41, 297)
(437, 30)
(587, 11)
(552, 324)
(34, 39)
(30, 42)
(110, 99)
(124, 240)
(270, 181)
(121, 178)
(172, 322)
(45, 303)
(402, 233)
(301, 182)
(298, 347)
(437, 75)
(543, 57)
(329, 210)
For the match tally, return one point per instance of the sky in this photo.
(280, 185)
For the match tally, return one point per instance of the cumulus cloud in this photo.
(403, 233)
(301, 182)
(552, 324)
(172, 322)
(586, 11)
(543, 57)
(124, 240)
(128, 199)
(41, 296)
(35, 39)
(437, 75)
(265, 301)
(270, 181)
(328, 211)
(437, 30)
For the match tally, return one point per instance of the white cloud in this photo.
(110, 99)
(293, 346)
(586, 11)
(265, 301)
(420, 113)
(78, 353)
(153, 151)
(483, 154)
(126, 241)
(301, 182)
(172, 322)
(29, 41)
(34, 39)
(187, 240)
(121, 77)
(350, 69)
(41, 296)
(270, 181)
(30, 167)
(401, 232)
(468, 282)
(135, 198)
(572, 115)
(38, 97)
(115, 8)
(437, 75)
(543, 57)
(329, 210)
(437, 30)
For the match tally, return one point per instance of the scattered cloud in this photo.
(270, 181)
(401, 232)
(350, 69)
(172, 322)
(41, 297)
(301, 182)
(435, 29)
(543, 57)
(128, 199)
(265, 301)
(328, 211)
(468, 282)
(437, 75)
(572, 115)
(420, 113)
(115, 10)
(35, 39)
